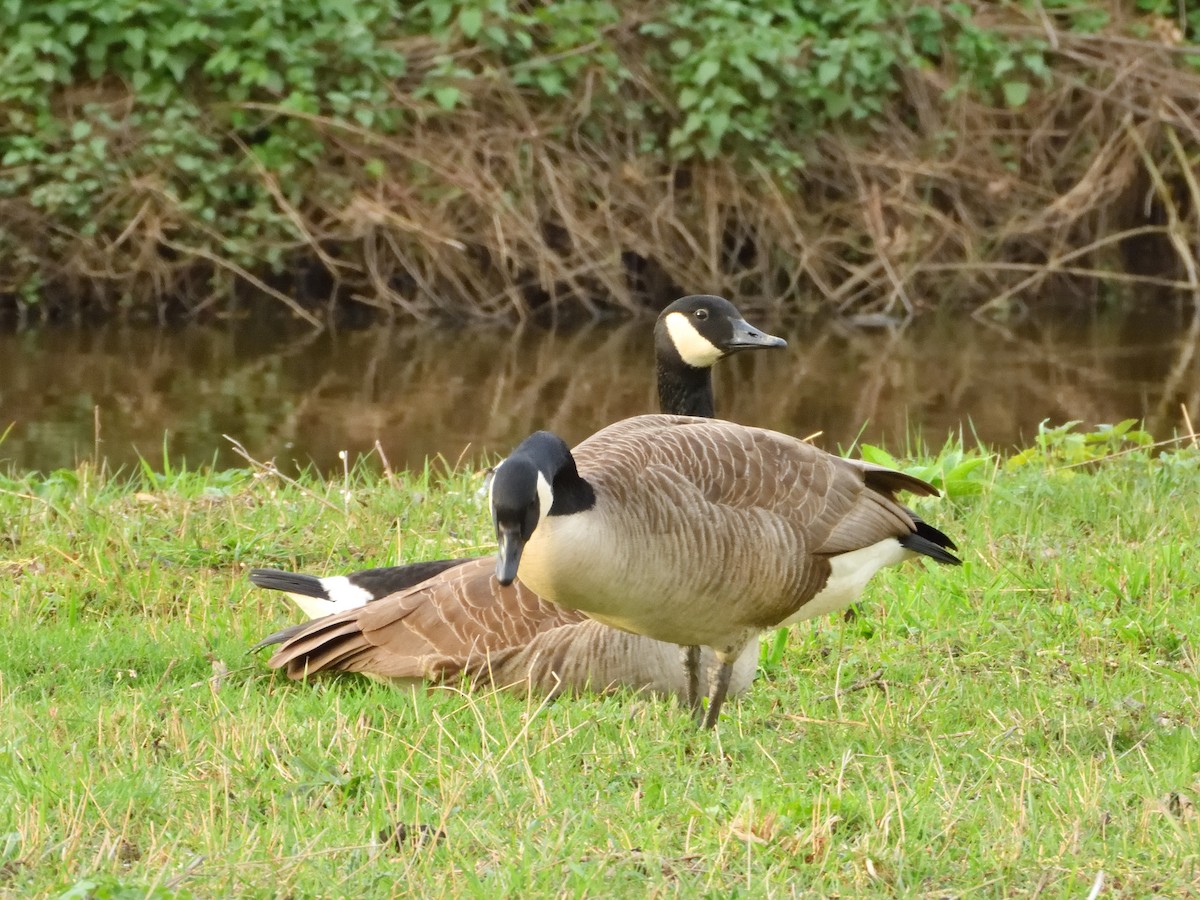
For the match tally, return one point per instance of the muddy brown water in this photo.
(122, 393)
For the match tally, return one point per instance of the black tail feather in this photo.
(279, 637)
(289, 582)
(931, 542)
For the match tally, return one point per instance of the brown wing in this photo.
(435, 630)
(714, 469)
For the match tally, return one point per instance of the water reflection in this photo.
(290, 395)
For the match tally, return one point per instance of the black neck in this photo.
(572, 493)
(684, 390)
(550, 455)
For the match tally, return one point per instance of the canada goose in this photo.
(462, 621)
(700, 532)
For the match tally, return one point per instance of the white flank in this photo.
(851, 572)
(694, 348)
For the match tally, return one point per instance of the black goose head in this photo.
(690, 337)
(538, 479)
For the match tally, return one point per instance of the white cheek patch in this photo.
(545, 495)
(695, 349)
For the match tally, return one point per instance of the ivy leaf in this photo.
(680, 48)
(470, 20)
(707, 71)
(828, 71)
(446, 96)
(1016, 93)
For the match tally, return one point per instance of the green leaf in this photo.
(1016, 93)
(718, 124)
(878, 456)
(470, 20)
(707, 71)
(440, 11)
(828, 72)
(965, 468)
(680, 48)
(447, 96)
(80, 129)
(178, 65)
(76, 32)
(551, 82)
(688, 97)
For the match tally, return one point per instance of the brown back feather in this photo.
(433, 630)
(715, 467)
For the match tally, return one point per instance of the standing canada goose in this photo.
(462, 621)
(700, 532)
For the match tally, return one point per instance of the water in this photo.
(123, 393)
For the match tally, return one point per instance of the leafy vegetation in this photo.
(1064, 445)
(1025, 723)
(152, 150)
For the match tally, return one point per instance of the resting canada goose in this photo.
(462, 621)
(700, 532)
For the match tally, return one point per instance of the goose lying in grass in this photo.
(700, 532)
(439, 619)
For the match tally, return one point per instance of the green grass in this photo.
(1025, 724)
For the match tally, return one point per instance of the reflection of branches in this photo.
(422, 392)
(434, 392)
(1171, 385)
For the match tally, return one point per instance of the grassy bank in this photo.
(1024, 725)
(481, 158)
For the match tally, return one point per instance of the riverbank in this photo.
(1026, 723)
(472, 160)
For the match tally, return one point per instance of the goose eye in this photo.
(701, 314)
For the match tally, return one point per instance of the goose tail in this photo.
(931, 542)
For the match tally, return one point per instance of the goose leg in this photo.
(717, 699)
(691, 678)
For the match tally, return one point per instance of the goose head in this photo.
(538, 479)
(690, 337)
(702, 329)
